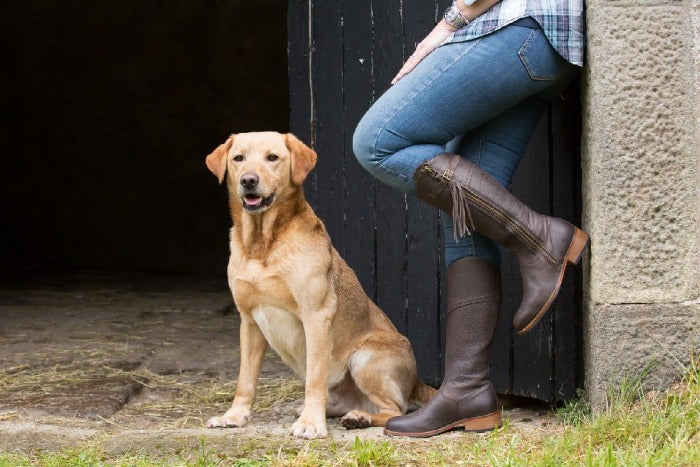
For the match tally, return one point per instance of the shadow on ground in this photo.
(137, 363)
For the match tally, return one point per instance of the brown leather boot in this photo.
(543, 245)
(466, 398)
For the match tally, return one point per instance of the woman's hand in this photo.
(436, 37)
(469, 9)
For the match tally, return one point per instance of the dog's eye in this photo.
(272, 157)
(238, 158)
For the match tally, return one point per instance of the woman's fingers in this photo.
(441, 31)
(410, 64)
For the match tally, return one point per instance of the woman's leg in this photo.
(496, 148)
(457, 88)
(462, 89)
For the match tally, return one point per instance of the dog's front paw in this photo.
(232, 418)
(307, 428)
(356, 419)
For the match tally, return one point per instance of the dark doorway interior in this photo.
(108, 110)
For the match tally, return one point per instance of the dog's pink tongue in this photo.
(252, 201)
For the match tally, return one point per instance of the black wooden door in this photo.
(342, 56)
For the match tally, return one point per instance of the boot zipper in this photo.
(484, 205)
(524, 234)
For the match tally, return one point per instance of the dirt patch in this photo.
(188, 400)
(137, 364)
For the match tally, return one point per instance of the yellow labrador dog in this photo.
(295, 293)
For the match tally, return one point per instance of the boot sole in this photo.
(477, 424)
(572, 256)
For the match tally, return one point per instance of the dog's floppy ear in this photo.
(216, 161)
(303, 158)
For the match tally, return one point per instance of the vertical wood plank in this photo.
(501, 363)
(532, 353)
(387, 58)
(442, 299)
(328, 130)
(298, 69)
(359, 208)
(566, 204)
(422, 255)
(299, 56)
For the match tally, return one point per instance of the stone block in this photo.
(640, 154)
(622, 339)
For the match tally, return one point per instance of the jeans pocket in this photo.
(539, 58)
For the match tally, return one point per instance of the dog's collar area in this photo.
(253, 202)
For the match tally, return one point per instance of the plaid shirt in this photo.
(561, 21)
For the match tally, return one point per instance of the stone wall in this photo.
(641, 97)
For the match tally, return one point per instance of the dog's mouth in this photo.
(255, 202)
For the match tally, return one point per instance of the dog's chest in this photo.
(271, 304)
(285, 334)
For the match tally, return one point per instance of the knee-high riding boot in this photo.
(466, 398)
(543, 245)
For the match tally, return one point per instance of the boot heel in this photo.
(485, 423)
(578, 244)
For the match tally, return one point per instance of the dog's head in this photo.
(261, 167)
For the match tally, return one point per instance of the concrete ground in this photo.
(137, 363)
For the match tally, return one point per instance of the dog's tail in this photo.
(421, 394)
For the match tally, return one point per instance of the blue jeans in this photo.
(480, 99)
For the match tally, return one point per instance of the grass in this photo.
(656, 428)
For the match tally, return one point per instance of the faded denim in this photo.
(481, 99)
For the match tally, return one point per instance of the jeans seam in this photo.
(392, 171)
(407, 101)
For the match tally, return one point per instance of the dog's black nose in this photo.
(249, 181)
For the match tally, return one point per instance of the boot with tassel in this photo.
(542, 245)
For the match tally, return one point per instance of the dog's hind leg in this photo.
(384, 399)
(361, 419)
(344, 397)
(385, 379)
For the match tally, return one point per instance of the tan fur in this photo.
(295, 293)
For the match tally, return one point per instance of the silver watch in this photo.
(454, 17)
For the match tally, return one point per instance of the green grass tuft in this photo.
(576, 411)
(630, 388)
(370, 453)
